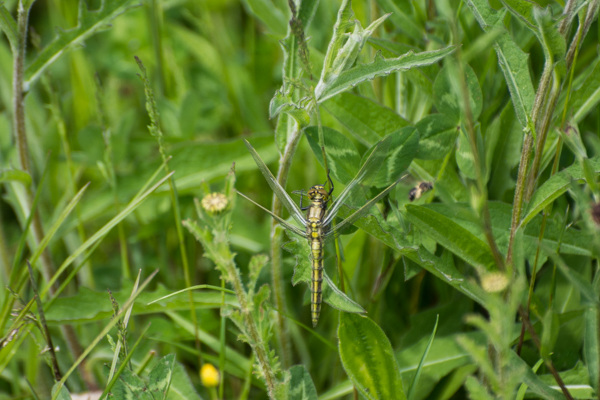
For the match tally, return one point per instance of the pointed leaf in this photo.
(367, 120)
(380, 67)
(88, 23)
(368, 358)
(301, 386)
(451, 235)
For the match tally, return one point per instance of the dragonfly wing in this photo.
(372, 165)
(280, 192)
(282, 221)
(361, 211)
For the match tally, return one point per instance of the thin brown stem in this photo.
(547, 361)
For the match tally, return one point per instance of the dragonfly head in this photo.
(317, 193)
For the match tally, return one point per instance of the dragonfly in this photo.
(316, 218)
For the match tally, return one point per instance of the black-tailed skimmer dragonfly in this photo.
(316, 218)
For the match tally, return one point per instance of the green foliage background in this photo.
(485, 287)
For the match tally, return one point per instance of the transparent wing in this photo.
(373, 163)
(280, 192)
(283, 222)
(361, 211)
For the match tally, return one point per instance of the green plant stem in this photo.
(256, 343)
(155, 130)
(469, 125)
(18, 92)
(519, 193)
(285, 162)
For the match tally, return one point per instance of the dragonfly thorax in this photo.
(318, 193)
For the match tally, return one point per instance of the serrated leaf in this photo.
(301, 386)
(368, 358)
(367, 120)
(452, 236)
(284, 104)
(88, 22)
(437, 136)
(380, 67)
(555, 186)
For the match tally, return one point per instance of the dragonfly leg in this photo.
(330, 183)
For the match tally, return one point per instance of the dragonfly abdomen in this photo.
(315, 239)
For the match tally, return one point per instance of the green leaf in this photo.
(160, 377)
(200, 161)
(88, 23)
(445, 356)
(368, 358)
(448, 97)
(523, 10)
(367, 120)
(130, 387)
(379, 67)
(570, 241)
(269, 14)
(586, 98)
(511, 59)
(402, 21)
(536, 385)
(15, 175)
(581, 283)
(63, 393)
(402, 146)
(181, 385)
(552, 41)
(284, 104)
(555, 186)
(415, 381)
(464, 156)
(301, 386)
(9, 26)
(591, 347)
(452, 236)
(89, 305)
(343, 159)
(437, 136)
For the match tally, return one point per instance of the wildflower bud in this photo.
(214, 203)
(209, 375)
(494, 282)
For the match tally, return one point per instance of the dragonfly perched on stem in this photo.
(320, 212)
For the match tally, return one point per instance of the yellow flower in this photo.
(209, 375)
